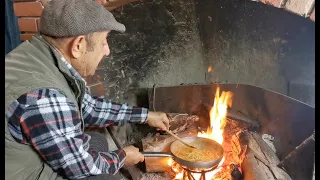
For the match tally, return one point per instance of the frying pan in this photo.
(199, 143)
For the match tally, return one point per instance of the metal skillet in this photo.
(199, 143)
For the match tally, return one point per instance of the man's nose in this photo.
(107, 50)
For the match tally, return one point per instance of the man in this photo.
(47, 103)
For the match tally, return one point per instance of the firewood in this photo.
(253, 170)
(265, 158)
(238, 116)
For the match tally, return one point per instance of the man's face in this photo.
(95, 51)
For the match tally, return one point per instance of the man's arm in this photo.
(102, 113)
(48, 121)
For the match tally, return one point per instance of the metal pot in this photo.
(200, 143)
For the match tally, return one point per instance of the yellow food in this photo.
(196, 155)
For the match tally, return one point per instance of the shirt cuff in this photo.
(122, 157)
(139, 115)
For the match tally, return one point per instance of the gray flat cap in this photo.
(67, 18)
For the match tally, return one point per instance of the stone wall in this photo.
(173, 42)
(251, 43)
(161, 46)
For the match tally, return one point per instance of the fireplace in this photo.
(259, 49)
(256, 113)
(173, 42)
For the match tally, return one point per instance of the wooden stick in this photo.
(298, 148)
(175, 136)
(179, 139)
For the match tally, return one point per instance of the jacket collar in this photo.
(63, 65)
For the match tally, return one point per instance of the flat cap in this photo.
(67, 18)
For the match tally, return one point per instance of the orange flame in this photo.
(218, 121)
(209, 68)
(218, 115)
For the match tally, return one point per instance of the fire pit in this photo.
(233, 152)
(256, 141)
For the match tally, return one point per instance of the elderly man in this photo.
(47, 104)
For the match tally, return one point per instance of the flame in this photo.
(209, 68)
(176, 168)
(218, 115)
(211, 174)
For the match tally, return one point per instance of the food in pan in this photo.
(196, 155)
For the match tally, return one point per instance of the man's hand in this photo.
(158, 120)
(133, 156)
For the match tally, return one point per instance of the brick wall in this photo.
(29, 12)
(305, 8)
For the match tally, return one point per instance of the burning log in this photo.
(261, 161)
(253, 170)
(238, 116)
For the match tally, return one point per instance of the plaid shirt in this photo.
(49, 121)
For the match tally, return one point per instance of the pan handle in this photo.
(156, 154)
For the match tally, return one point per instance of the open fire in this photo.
(215, 132)
(242, 132)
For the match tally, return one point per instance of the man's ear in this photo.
(78, 46)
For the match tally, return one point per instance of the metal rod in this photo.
(156, 154)
(299, 147)
(133, 171)
(115, 139)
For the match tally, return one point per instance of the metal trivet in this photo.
(188, 173)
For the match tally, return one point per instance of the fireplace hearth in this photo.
(275, 115)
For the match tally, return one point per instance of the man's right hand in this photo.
(133, 156)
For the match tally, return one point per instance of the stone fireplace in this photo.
(243, 44)
(291, 123)
(174, 42)
(181, 49)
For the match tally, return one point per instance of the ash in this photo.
(155, 176)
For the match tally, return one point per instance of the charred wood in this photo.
(260, 159)
(300, 147)
(300, 162)
(238, 116)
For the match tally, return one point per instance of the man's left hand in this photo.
(158, 120)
